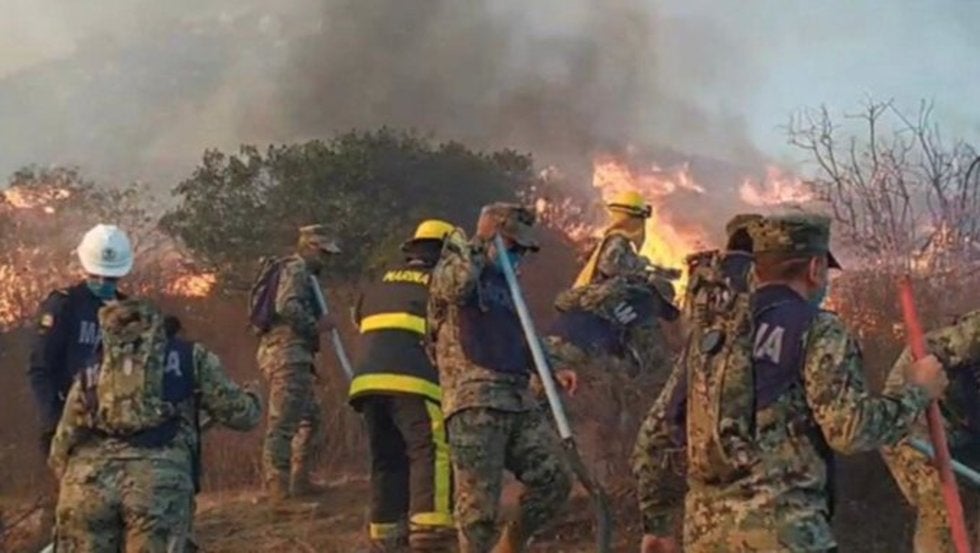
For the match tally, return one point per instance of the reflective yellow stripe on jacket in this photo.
(393, 321)
(399, 383)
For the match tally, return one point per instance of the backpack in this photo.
(262, 297)
(125, 383)
(720, 379)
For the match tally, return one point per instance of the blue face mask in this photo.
(513, 256)
(102, 289)
(821, 295)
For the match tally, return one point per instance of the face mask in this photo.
(102, 289)
(821, 295)
(513, 256)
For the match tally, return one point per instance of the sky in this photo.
(840, 52)
(137, 89)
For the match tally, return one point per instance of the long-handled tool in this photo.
(959, 468)
(599, 498)
(338, 346)
(937, 434)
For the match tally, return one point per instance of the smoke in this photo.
(562, 78)
(138, 89)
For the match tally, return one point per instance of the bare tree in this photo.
(901, 196)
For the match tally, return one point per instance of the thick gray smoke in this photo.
(138, 88)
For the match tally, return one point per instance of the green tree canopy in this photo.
(372, 188)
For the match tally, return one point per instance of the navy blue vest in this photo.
(780, 318)
(490, 330)
(83, 330)
(178, 386)
(736, 266)
(592, 332)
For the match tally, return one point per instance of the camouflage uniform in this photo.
(618, 257)
(116, 496)
(492, 419)
(958, 348)
(293, 432)
(619, 353)
(294, 429)
(780, 502)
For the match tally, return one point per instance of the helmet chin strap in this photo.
(629, 225)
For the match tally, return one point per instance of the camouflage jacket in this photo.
(293, 338)
(958, 348)
(644, 339)
(783, 503)
(454, 283)
(216, 395)
(618, 257)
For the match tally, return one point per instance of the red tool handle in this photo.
(951, 494)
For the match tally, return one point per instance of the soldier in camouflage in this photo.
(958, 348)
(294, 430)
(600, 332)
(733, 267)
(484, 367)
(735, 262)
(810, 398)
(134, 492)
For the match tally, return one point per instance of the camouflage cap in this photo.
(796, 233)
(318, 236)
(513, 221)
(127, 320)
(739, 222)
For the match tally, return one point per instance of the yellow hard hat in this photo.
(433, 229)
(630, 202)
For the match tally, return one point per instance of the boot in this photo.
(388, 546)
(511, 540)
(388, 538)
(277, 488)
(431, 539)
(303, 486)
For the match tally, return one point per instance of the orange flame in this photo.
(668, 242)
(193, 286)
(35, 198)
(777, 189)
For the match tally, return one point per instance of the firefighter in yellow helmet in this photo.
(618, 251)
(396, 390)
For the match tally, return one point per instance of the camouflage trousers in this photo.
(921, 485)
(131, 505)
(294, 430)
(483, 443)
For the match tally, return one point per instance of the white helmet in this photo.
(105, 251)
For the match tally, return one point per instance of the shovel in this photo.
(937, 434)
(338, 346)
(599, 499)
